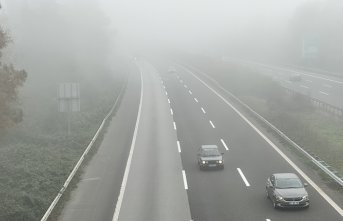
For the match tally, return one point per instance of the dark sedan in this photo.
(286, 190)
(210, 157)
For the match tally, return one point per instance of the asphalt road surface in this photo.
(236, 193)
(325, 88)
(146, 169)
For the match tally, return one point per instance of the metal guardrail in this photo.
(321, 164)
(78, 164)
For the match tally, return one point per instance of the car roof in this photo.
(209, 147)
(285, 175)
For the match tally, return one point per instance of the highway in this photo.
(237, 193)
(146, 169)
(325, 88)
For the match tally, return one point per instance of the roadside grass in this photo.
(317, 132)
(37, 156)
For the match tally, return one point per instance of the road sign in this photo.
(69, 97)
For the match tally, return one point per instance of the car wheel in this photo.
(275, 206)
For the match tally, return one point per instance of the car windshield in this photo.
(285, 183)
(210, 152)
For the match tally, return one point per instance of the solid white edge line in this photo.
(289, 161)
(171, 111)
(128, 163)
(212, 124)
(322, 92)
(224, 144)
(174, 125)
(203, 110)
(243, 177)
(178, 146)
(184, 179)
(168, 101)
(196, 100)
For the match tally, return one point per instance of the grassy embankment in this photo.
(37, 156)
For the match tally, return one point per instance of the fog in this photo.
(198, 26)
(266, 30)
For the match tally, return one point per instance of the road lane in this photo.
(155, 188)
(96, 193)
(248, 151)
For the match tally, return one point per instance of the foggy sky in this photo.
(193, 24)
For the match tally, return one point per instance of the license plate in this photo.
(294, 203)
(212, 165)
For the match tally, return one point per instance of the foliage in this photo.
(10, 80)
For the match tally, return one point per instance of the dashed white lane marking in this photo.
(268, 220)
(289, 161)
(190, 92)
(309, 81)
(224, 144)
(181, 81)
(304, 86)
(90, 179)
(174, 125)
(185, 86)
(323, 78)
(129, 159)
(166, 93)
(168, 101)
(322, 92)
(196, 100)
(184, 179)
(203, 110)
(212, 124)
(243, 177)
(178, 146)
(171, 111)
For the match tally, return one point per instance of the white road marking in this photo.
(309, 81)
(90, 179)
(212, 124)
(327, 79)
(185, 86)
(243, 177)
(181, 81)
(203, 110)
(268, 220)
(174, 125)
(190, 92)
(303, 86)
(196, 100)
(322, 92)
(224, 144)
(171, 111)
(128, 163)
(178, 146)
(184, 179)
(168, 101)
(289, 161)
(166, 93)
(289, 82)
(327, 85)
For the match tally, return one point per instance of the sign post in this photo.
(69, 100)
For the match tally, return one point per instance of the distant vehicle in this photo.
(171, 70)
(210, 157)
(295, 77)
(286, 190)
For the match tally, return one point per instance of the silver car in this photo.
(286, 190)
